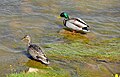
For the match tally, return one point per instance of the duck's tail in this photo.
(85, 29)
(44, 60)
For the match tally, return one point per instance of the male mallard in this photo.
(76, 24)
(35, 51)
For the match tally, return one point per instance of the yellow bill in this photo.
(59, 17)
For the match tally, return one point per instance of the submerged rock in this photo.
(32, 70)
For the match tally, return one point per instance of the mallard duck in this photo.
(35, 51)
(76, 24)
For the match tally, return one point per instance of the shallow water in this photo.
(38, 18)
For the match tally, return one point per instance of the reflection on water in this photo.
(38, 19)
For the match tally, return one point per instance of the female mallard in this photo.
(35, 51)
(76, 24)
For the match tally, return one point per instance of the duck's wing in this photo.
(78, 22)
(37, 53)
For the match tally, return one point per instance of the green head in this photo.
(65, 15)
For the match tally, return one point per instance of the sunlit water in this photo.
(38, 18)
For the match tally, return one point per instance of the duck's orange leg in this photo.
(73, 32)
